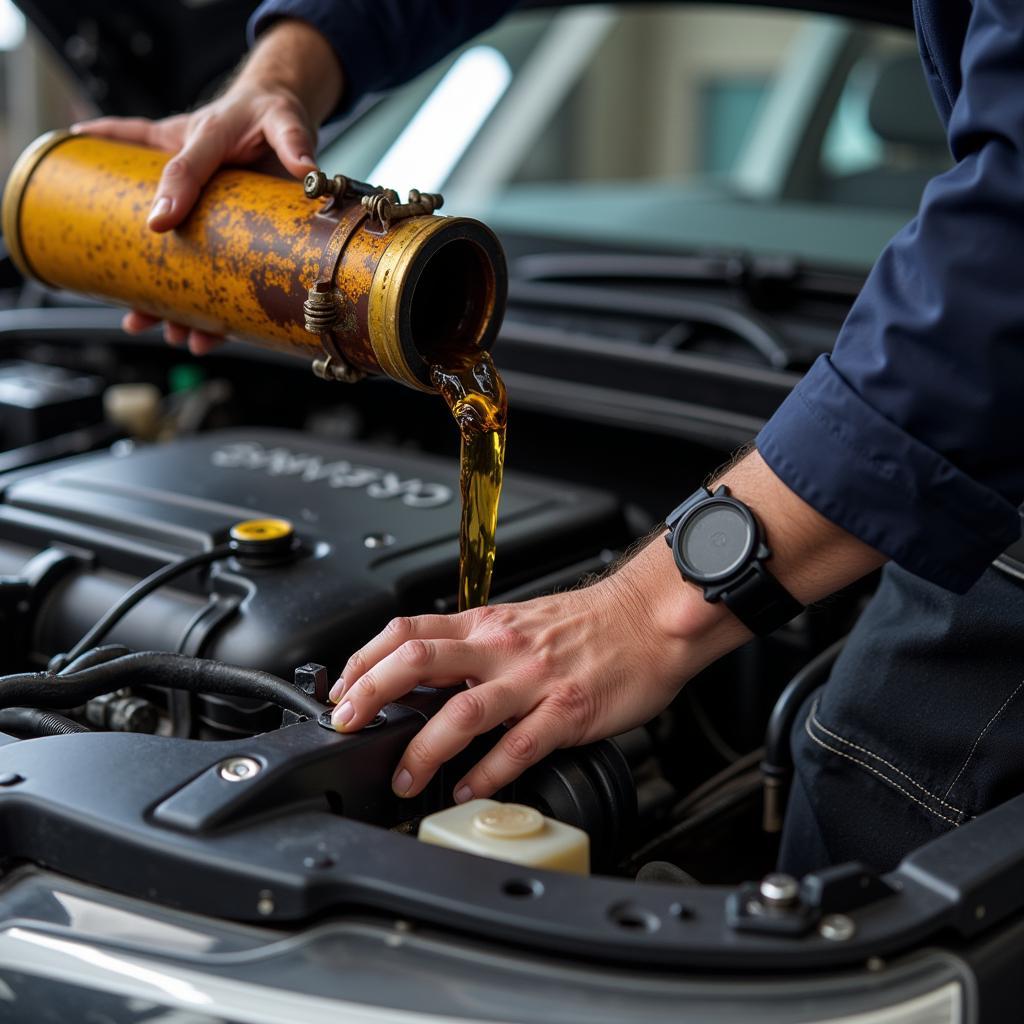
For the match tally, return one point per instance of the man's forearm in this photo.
(811, 557)
(295, 56)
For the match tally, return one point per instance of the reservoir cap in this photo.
(509, 821)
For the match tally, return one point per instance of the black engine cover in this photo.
(378, 535)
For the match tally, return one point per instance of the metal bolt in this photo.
(837, 928)
(315, 184)
(378, 540)
(313, 679)
(779, 891)
(238, 769)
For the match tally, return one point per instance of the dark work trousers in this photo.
(919, 728)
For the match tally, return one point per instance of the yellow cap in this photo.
(509, 821)
(255, 531)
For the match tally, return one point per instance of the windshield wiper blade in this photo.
(757, 332)
(764, 279)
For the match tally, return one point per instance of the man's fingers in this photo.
(522, 746)
(465, 716)
(135, 322)
(200, 343)
(291, 139)
(187, 172)
(175, 334)
(434, 662)
(397, 632)
(127, 129)
(167, 134)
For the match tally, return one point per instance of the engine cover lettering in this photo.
(377, 483)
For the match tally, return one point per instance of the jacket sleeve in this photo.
(911, 435)
(383, 43)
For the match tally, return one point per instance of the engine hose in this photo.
(141, 590)
(97, 656)
(154, 668)
(37, 722)
(777, 766)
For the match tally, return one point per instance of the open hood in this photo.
(154, 57)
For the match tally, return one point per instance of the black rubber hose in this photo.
(777, 752)
(97, 656)
(777, 765)
(154, 668)
(37, 722)
(142, 589)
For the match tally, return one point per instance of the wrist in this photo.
(676, 609)
(811, 556)
(294, 59)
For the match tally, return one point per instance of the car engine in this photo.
(186, 586)
(363, 534)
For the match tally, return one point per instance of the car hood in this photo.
(140, 57)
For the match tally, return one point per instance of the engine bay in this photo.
(136, 610)
(191, 549)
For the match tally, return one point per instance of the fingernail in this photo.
(463, 795)
(336, 691)
(402, 782)
(161, 208)
(343, 715)
(307, 159)
(75, 128)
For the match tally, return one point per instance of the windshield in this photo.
(668, 126)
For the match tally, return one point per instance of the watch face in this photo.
(716, 541)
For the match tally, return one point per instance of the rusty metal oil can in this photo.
(334, 270)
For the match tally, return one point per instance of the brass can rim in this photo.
(14, 193)
(394, 284)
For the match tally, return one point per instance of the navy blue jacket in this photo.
(911, 434)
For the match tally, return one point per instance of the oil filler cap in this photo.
(263, 540)
(509, 821)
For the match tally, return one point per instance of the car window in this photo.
(669, 124)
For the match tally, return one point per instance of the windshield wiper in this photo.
(767, 281)
(757, 332)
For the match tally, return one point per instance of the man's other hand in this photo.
(289, 84)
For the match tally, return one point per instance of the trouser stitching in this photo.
(874, 771)
(981, 735)
(870, 753)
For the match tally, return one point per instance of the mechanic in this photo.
(903, 447)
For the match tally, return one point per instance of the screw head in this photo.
(378, 540)
(239, 769)
(313, 184)
(837, 928)
(778, 890)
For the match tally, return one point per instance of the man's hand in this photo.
(560, 671)
(576, 667)
(290, 83)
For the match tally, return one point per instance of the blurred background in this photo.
(553, 121)
(36, 91)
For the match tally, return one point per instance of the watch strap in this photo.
(760, 601)
(701, 494)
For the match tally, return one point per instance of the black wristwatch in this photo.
(719, 544)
